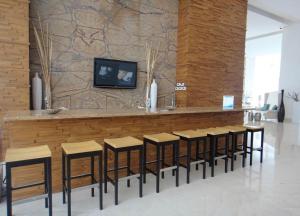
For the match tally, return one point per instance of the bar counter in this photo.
(94, 113)
(32, 128)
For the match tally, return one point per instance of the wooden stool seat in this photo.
(123, 142)
(160, 141)
(237, 149)
(28, 153)
(190, 138)
(81, 147)
(217, 131)
(254, 127)
(214, 134)
(79, 150)
(190, 134)
(19, 157)
(162, 137)
(118, 146)
(235, 128)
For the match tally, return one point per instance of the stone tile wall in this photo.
(116, 29)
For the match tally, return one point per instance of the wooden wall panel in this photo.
(210, 54)
(14, 55)
(55, 132)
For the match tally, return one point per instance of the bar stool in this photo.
(160, 141)
(118, 145)
(18, 157)
(87, 149)
(214, 134)
(193, 137)
(234, 132)
(253, 129)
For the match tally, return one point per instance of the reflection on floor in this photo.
(272, 188)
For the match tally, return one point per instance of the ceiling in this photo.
(269, 16)
(258, 25)
(287, 9)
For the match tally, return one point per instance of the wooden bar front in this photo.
(53, 132)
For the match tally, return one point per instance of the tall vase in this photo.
(153, 96)
(281, 111)
(48, 97)
(37, 92)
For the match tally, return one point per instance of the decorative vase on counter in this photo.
(37, 92)
(257, 117)
(250, 116)
(281, 110)
(153, 96)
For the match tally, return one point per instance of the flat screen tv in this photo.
(109, 73)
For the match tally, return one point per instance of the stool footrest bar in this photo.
(28, 185)
(119, 168)
(197, 162)
(168, 168)
(220, 157)
(81, 176)
(238, 152)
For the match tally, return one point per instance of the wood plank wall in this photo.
(55, 132)
(210, 54)
(14, 55)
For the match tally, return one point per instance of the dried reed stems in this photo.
(44, 47)
(151, 59)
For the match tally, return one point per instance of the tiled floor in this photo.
(272, 188)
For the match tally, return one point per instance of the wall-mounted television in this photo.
(110, 73)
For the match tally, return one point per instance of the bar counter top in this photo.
(95, 113)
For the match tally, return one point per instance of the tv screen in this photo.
(114, 73)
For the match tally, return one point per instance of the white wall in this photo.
(290, 69)
(255, 77)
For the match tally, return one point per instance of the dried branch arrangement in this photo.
(294, 96)
(44, 48)
(151, 60)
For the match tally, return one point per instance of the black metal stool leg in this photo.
(49, 185)
(197, 153)
(244, 148)
(9, 191)
(69, 184)
(141, 172)
(177, 162)
(262, 145)
(216, 149)
(212, 155)
(145, 162)
(226, 152)
(105, 168)
(251, 148)
(174, 159)
(46, 183)
(246, 144)
(163, 147)
(233, 144)
(204, 157)
(92, 175)
(63, 177)
(157, 167)
(100, 181)
(116, 181)
(188, 162)
(128, 167)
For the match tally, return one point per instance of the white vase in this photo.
(153, 96)
(37, 92)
